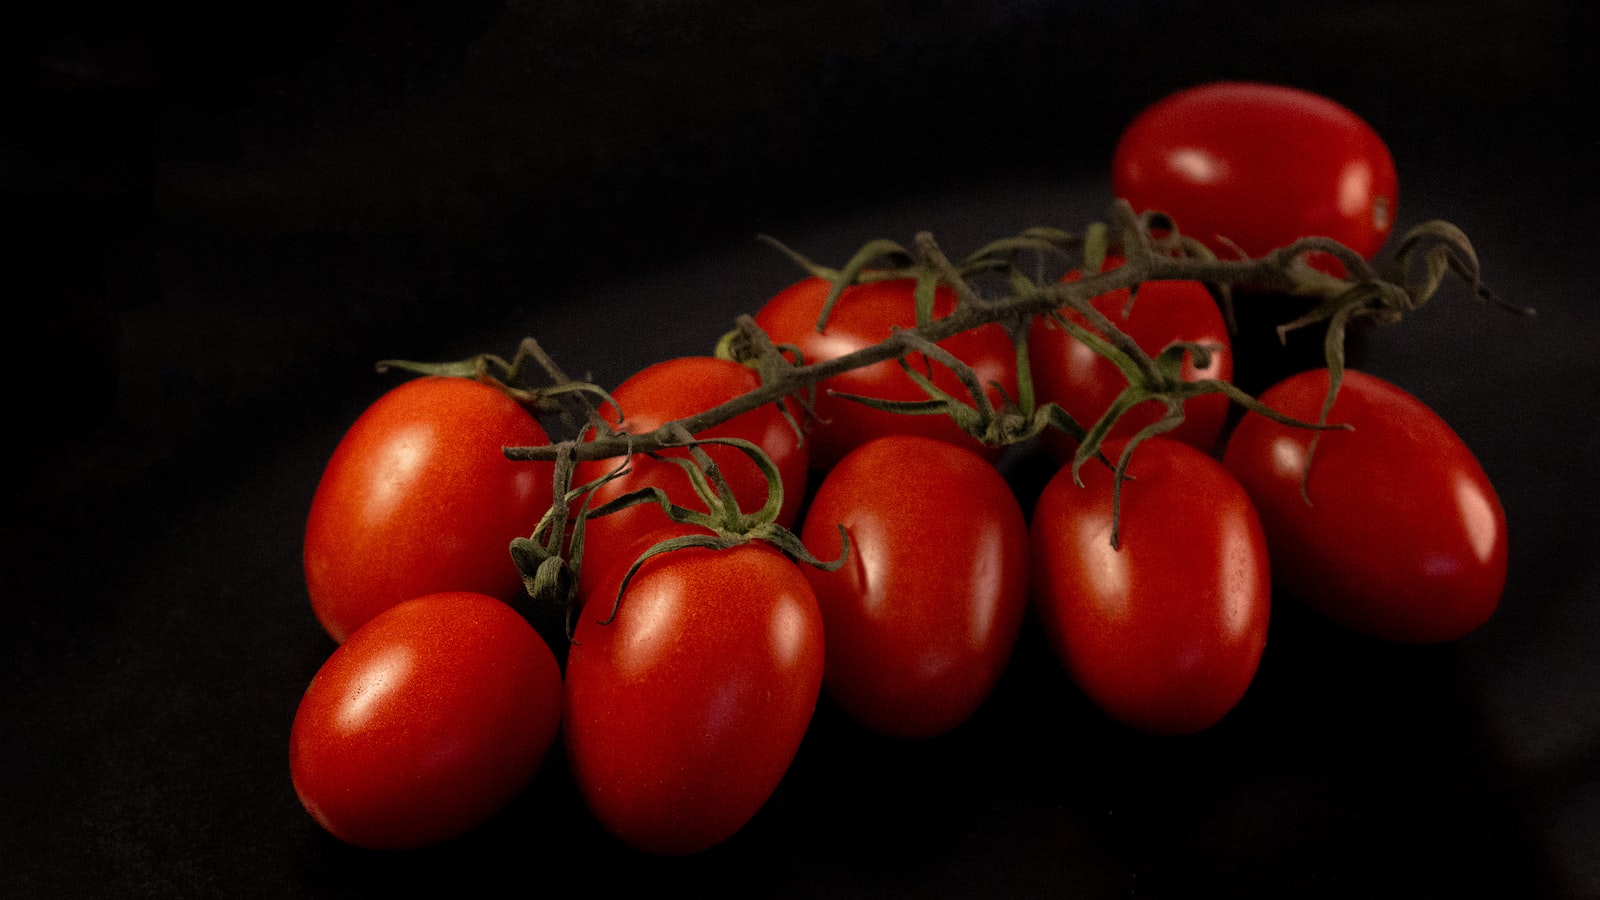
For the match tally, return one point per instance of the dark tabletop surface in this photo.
(228, 217)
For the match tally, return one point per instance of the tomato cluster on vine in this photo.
(813, 506)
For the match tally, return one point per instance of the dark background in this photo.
(227, 214)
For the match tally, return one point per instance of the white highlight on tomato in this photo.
(789, 631)
(986, 571)
(382, 676)
(405, 463)
(1198, 165)
(1355, 189)
(1478, 516)
(1288, 457)
(1240, 572)
(1106, 568)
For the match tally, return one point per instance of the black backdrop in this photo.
(225, 215)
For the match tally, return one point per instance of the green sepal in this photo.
(682, 542)
(854, 272)
(458, 368)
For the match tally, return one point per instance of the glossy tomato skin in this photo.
(1258, 165)
(418, 498)
(427, 721)
(684, 712)
(922, 617)
(866, 314)
(682, 387)
(1084, 383)
(1166, 631)
(1404, 537)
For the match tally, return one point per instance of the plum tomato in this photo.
(1084, 383)
(426, 722)
(682, 387)
(1258, 166)
(922, 617)
(418, 498)
(685, 710)
(1164, 631)
(1399, 534)
(864, 315)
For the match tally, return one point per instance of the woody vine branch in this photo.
(1153, 250)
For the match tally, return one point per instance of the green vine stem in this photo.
(1152, 249)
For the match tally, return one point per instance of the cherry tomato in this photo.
(864, 315)
(1084, 383)
(678, 388)
(418, 498)
(1403, 537)
(922, 617)
(1258, 165)
(1164, 631)
(428, 720)
(684, 712)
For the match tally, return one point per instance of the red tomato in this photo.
(418, 498)
(1084, 383)
(865, 315)
(1403, 538)
(684, 712)
(1164, 632)
(1259, 165)
(922, 617)
(682, 387)
(427, 721)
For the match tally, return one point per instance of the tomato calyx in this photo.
(1156, 379)
(489, 368)
(1146, 243)
(877, 260)
(561, 403)
(995, 425)
(1154, 246)
(1438, 247)
(726, 524)
(549, 574)
(749, 346)
(916, 349)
